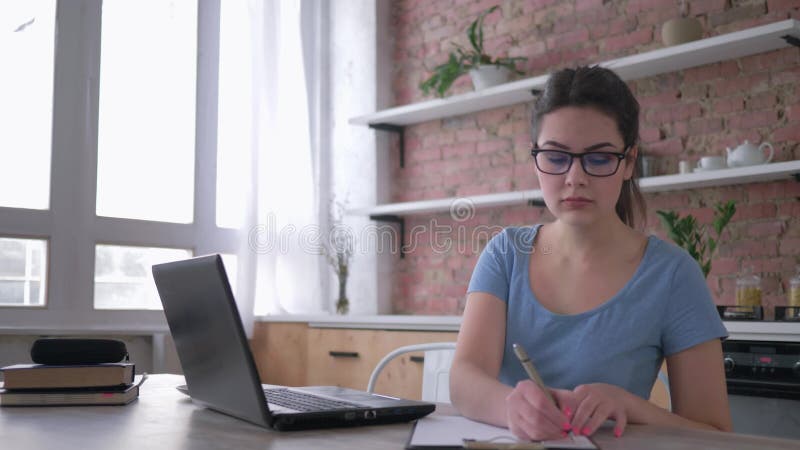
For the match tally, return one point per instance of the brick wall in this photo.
(685, 115)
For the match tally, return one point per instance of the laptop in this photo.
(220, 371)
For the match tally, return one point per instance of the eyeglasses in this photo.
(596, 164)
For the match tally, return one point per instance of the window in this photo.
(27, 41)
(145, 143)
(113, 173)
(122, 277)
(22, 271)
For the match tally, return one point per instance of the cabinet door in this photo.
(280, 351)
(346, 357)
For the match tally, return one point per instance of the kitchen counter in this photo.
(745, 330)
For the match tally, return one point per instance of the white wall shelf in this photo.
(712, 178)
(664, 60)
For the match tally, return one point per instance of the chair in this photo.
(435, 371)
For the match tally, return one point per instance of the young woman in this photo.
(597, 304)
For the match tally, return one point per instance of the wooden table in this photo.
(163, 418)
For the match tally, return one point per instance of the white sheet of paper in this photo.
(450, 431)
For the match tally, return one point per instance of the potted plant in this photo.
(484, 70)
(695, 238)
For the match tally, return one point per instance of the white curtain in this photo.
(285, 208)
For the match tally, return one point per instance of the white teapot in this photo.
(748, 154)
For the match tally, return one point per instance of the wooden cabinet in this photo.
(295, 354)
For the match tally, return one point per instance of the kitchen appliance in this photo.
(763, 380)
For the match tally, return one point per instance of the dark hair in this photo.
(602, 89)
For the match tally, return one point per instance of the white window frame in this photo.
(70, 225)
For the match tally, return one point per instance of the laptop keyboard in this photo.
(301, 401)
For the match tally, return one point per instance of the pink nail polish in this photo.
(586, 431)
(617, 432)
(566, 426)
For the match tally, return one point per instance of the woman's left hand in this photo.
(595, 403)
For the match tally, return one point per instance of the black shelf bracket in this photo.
(400, 133)
(394, 219)
(792, 40)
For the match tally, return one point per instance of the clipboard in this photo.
(439, 432)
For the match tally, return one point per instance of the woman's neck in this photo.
(590, 242)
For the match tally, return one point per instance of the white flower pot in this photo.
(681, 30)
(487, 76)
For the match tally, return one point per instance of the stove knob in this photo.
(729, 364)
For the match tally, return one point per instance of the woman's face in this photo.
(577, 197)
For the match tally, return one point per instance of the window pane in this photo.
(123, 277)
(22, 271)
(234, 116)
(27, 40)
(145, 167)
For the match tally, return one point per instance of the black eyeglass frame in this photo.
(535, 150)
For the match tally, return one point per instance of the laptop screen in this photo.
(209, 337)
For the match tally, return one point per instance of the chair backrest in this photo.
(435, 372)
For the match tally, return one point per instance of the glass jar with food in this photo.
(794, 294)
(748, 289)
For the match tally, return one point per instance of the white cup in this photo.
(711, 162)
(684, 167)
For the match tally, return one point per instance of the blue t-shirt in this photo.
(663, 309)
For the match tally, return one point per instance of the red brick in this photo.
(766, 191)
(788, 76)
(705, 126)
(750, 248)
(764, 100)
(727, 105)
(782, 5)
(753, 119)
(793, 113)
(789, 133)
(568, 39)
(752, 83)
(636, 6)
(460, 150)
(770, 265)
(790, 246)
(666, 147)
(699, 7)
(766, 229)
(650, 134)
(668, 97)
(493, 146)
(722, 266)
(616, 43)
(754, 211)
(709, 72)
(789, 209)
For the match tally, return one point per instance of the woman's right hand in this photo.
(531, 415)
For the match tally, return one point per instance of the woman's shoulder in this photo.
(511, 240)
(667, 253)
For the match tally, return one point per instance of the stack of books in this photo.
(50, 385)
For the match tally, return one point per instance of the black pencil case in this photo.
(68, 351)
